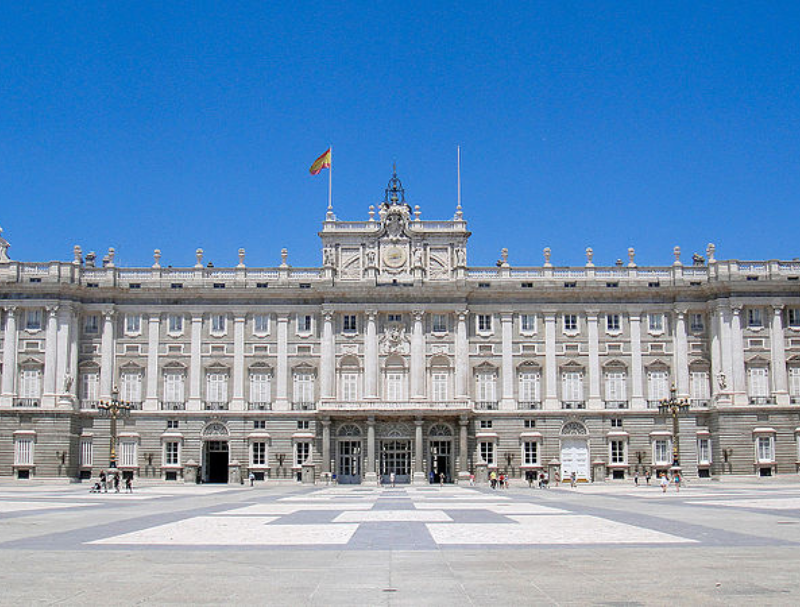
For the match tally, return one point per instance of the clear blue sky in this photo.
(174, 125)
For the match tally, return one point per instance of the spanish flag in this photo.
(323, 162)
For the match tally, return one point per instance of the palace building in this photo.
(397, 357)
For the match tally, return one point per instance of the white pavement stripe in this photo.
(393, 516)
(777, 503)
(6, 507)
(282, 509)
(510, 508)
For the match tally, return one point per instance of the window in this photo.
(572, 386)
(217, 387)
(260, 388)
(90, 387)
(527, 323)
(486, 424)
(765, 449)
(30, 383)
(439, 323)
(303, 387)
(302, 453)
(349, 323)
(395, 318)
(261, 324)
(128, 453)
(793, 318)
(570, 323)
(171, 450)
(661, 449)
(303, 424)
(530, 453)
(696, 323)
(487, 452)
(349, 386)
(131, 386)
(258, 454)
(23, 451)
(616, 387)
(485, 387)
(394, 386)
(657, 385)
(616, 422)
(616, 451)
(91, 324)
(758, 382)
(259, 424)
(754, 320)
(484, 323)
(218, 324)
(529, 423)
(700, 387)
(173, 387)
(133, 324)
(304, 323)
(439, 381)
(655, 322)
(704, 451)
(175, 324)
(612, 323)
(172, 424)
(529, 387)
(87, 453)
(33, 320)
(794, 384)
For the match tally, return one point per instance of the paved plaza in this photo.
(605, 544)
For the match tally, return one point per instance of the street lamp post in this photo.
(114, 408)
(674, 406)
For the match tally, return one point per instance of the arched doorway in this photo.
(395, 453)
(575, 451)
(216, 455)
(348, 455)
(440, 449)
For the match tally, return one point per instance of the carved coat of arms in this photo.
(395, 340)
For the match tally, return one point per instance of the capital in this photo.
(777, 308)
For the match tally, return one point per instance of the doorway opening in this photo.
(396, 458)
(216, 461)
(441, 452)
(349, 468)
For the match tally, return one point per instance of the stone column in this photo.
(371, 356)
(237, 402)
(327, 363)
(550, 371)
(195, 365)
(50, 358)
(282, 365)
(506, 326)
(463, 450)
(723, 321)
(462, 356)
(419, 469)
(106, 355)
(595, 401)
(417, 357)
(681, 360)
(74, 335)
(9, 356)
(326, 445)
(737, 344)
(153, 330)
(716, 353)
(63, 384)
(778, 357)
(369, 474)
(638, 400)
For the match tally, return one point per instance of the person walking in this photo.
(391, 478)
(441, 479)
(677, 480)
(252, 478)
(116, 483)
(636, 478)
(493, 479)
(104, 481)
(128, 485)
(647, 476)
(664, 482)
(573, 478)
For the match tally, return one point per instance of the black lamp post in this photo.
(114, 408)
(674, 406)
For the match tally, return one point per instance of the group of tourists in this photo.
(542, 479)
(664, 480)
(104, 482)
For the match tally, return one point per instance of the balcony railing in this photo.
(173, 406)
(573, 404)
(761, 400)
(304, 406)
(135, 406)
(26, 402)
(529, 405)
(89, 404)
(653, 404)
(212, 406)
(616, 404)
(795, 400)
(699, 403)
(486, 405)
(392, 405)
(259, 406)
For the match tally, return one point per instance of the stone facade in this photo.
(395, 356)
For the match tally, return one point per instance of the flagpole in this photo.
(458, 207)
(330, 183)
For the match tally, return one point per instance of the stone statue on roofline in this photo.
(4, 246)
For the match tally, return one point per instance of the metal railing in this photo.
(173, 406)
(699, 403)
(89, 404)
(213, 406)
(304, 406)
(529, 405)
(259, 406)
(486, 405)
(616, 404)
(761, 400)
(573, 404)
(26, 402)
(653, 404)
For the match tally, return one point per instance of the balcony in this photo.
(486, 405)
(699, 403)
(573, 404)
(616, 404)
(134, 406)
(26, 402)
(529, 405)
(393, 405)
(653, 404)
(761, 400)
(304, 406)
(795, 400)
(89, 404)
(173, 406)
(259, 406)
(212, 406)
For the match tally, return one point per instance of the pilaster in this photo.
(50, 358)
(681, 356)
(417, 357)
(462, 356)
(282, 365)
(327, 365)
(195, 364)
(10, 346)
(238, 402)
(371, 356)
(550, 384)
(778, 357)
(638, 400)
(506, 331)
(153, 330)
(106, 354)
(594, 401)
(737, 339)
